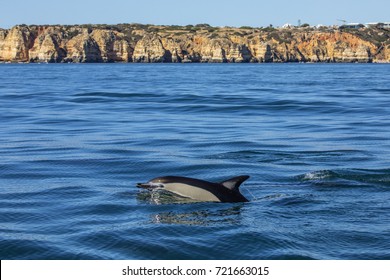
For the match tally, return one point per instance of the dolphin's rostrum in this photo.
(226, 191)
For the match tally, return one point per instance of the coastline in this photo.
(137, 43)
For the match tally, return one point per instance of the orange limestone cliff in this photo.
(199, 43)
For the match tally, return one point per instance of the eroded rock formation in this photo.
(151, 44)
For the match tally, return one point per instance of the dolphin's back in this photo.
(184, 180)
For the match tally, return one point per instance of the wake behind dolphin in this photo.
(226, 191)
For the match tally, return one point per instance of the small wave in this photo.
(162, 197)
(295, 200)
(101, 97)
(318, 175)
(349, 177)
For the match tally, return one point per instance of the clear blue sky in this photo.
(183, 12)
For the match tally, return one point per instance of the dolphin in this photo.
(226, 191)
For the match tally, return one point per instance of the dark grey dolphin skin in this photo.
(226, 191)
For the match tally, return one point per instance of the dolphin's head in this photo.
(157, 183)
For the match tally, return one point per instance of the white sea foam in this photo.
(318, 175)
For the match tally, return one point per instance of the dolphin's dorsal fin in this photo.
(234, 183)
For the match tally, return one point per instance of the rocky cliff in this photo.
(200, 43)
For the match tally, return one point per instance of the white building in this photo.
(353, 25)
(378, 24)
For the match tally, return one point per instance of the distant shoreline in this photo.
(202, 43)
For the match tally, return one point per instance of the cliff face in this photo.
(16, 44)
(148, 43)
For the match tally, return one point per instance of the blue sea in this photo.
(75, 139)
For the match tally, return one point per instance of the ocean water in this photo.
(75, 140)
